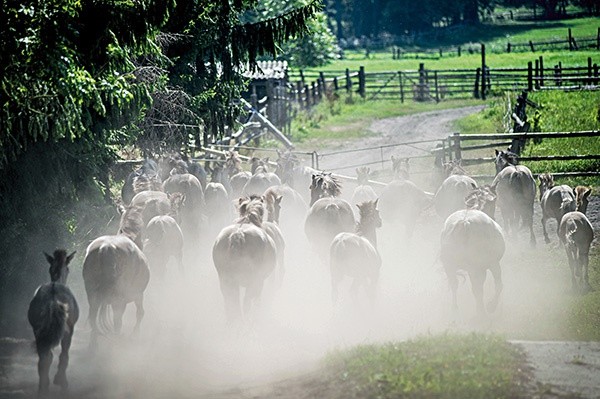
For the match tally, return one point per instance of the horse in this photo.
(163, 240)
(272, 208)
(582, 194)
(363, 192)
(576, 234)
(450, 196)
(515, 188)
(296, 176)
(401, 167)
(238, 177)
(192, 209)
(148, 171)
(261, 178)
(482, 199)
(294, 206)
(244, 256)
(52, 314)
(152, 203)
(327, 215)
(472, 241)
(115, 273)
(176, 163)
(401, 202)
(218, 206)
(355, 254)
(555, 202)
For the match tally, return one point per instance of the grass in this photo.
(495, 36)
(348, 119)
(442, 366)
(584, 315)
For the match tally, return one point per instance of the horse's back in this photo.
(401, 199)
(471, 238)
(333, 214)
(353, 255)
(557, 199)
(114, 264)
(515, 184)
(244, 252)
(576, 227)
(451, 195)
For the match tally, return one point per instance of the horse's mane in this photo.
(251, 210)
(132, 223)
(482, 199)
(146, 183)
(505, 158)
(326, 183)
(233, 162)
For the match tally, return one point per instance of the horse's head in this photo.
(483, 199)
(401, 167)
(324, 185)
(59, 265)
(285, 166)
(233, 163)
(504, 159)
(132, 223)
(362, 175)
(369, 215)
(546, 183)
(273, 205)
(251, 210)
(582, 194)
(453, 167)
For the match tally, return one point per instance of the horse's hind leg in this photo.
(231, 297)
(63, 361)
(139, 313)
(477, 280)
(118, 309)
(497, 274)
(546, 238)
(93, 319)
(44, 363)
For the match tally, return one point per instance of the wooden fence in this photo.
(427, 84)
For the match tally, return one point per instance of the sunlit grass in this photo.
(443, 366)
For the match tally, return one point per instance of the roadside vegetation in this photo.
(442, 366)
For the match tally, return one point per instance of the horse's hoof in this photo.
(61, 380)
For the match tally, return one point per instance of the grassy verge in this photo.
(444, 366)
(344, 119)
(584, 315)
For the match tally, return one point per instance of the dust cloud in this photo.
(186, 347)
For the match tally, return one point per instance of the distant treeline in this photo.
(374, 18)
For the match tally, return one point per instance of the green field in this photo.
(494, 36)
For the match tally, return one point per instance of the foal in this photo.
(53, 312)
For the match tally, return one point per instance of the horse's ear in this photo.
(393, 159)
(49, 258)
(278, 199)
(497, 152)
(376, 202)
(70, 257)
(121, 209)
(587, 193)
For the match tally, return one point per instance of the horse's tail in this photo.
(53, 327)
(105, 326)
(236, 241)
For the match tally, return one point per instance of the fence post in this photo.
(483, 71)
(590, 70)
(401, 87)
(508, 47)
(335, 84)
(307, 94)
(361, 81)
(457, 154)
(529, 76)
(441, 53)
(476, 88)
(437, 95)
(537, 74)
(302, 77)
(422, 82)
(598, 40)
(556, 76)
(450, 148)
(570, 40)
(595, 74)
(319, 85)
(314, 92)
(348, 82)
(459, 51)
(541, 71)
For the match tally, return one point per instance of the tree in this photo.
(74, 76)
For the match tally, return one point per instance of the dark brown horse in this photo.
(53, 312)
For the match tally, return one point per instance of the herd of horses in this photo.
(169, 206)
